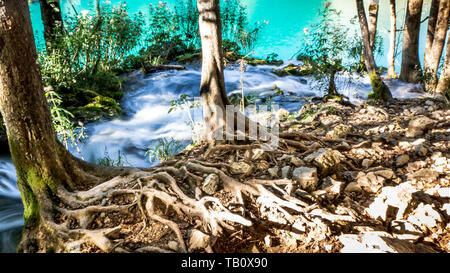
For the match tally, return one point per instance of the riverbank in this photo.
(371, 178)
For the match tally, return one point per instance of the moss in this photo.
(293, 70)
(255, 62)
(379, 89)
(100, 106)
(189, 57)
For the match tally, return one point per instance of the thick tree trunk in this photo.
(379, 88)
(433, 56)
(43, 165)
(410, 49)
(52, 20)
(373, 19)
(212, 86)
(392, 40)
(443, 86)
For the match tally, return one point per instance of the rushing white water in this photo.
(146, 119)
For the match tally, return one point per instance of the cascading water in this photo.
(146, 119)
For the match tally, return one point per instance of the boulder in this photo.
(307, 177)
(419, 125)
(426, 175)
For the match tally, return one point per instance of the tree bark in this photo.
(42, 163)
(432, 19)
(432, 58)
(52, 20)
(410, 49)
(212, 86)
(392, 40)
(373, 19)
(380, 91)
(443, 86)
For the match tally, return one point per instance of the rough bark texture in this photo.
(43, 165)
(51, 18)
(410, 49)
(212, 87)
(433, 56)
(379, 88)
(373, 19)
(432, 19)
(443, 86)
(392, 40)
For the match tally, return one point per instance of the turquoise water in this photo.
(287, 19)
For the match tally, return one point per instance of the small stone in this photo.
(402, 160)
(285, 171)
(426, 175)
(366, 163)
(211, 184)
(307, 177)
(330, 188)
(297, 161)
(326, 159)
(341, 130)
(419, 125)
(371, 182)
(240, 168)
(404, 230)
(426, 217)
(173, 245)
(386, 173)
(353, 187)
(257, 153)
(421, 150)
(273, 171)
(268, 241)
(198, 240)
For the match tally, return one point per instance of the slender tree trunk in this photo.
(212, 86)
(433, 57)
(410, 49)
(52, 20)
(392, 40)
(432, 19)
(443, 86)
(379, 88)
(373, 19)
(43, 165)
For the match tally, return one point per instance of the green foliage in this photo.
(325, 46)
(61, 118)
(107, 161)
(164, 150)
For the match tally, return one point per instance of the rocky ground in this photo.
(368, 178)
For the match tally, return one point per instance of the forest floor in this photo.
(370, 178)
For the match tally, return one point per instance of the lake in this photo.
(287, 19)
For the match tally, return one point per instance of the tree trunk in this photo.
(443, 86)
(42, 163)
(52, 20)
(433, 57)
(432, 19)
(379, 88)
(212, 86)
(373, 19)
(410, 49)
(392, 40)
